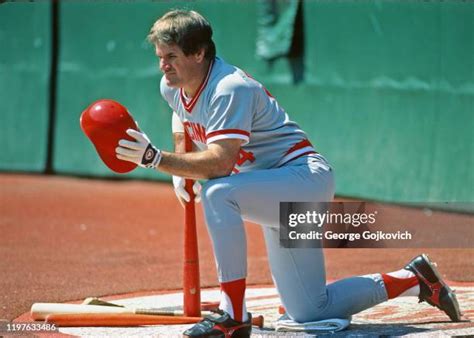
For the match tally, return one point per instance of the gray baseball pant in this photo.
(298, 274)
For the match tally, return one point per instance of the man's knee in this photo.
(304, 314)
(301, 316)
(307, 309)
(221, 210)
(216, 192)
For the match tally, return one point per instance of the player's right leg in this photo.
(429, 286)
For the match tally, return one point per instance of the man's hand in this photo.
(140, 151)
(182, 194)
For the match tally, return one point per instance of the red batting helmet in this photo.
(105, 123)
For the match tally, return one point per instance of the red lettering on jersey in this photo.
(201, 132)
(196, 131)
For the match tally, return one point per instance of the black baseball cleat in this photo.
(220, 324)
(433, 289)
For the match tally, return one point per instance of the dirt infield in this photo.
(67, 238)
(398, 317)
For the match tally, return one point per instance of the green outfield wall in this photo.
(25, 63)
(385, 89)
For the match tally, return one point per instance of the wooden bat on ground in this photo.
(124, 319)
(39, 311)
(206, 306)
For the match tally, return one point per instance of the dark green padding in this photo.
(385, 89)
(388, 97)
(25, 56)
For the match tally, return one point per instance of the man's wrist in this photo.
(152, 157)
(158, 159)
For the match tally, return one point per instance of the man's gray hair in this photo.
(187, 29)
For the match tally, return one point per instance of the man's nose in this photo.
(164, 66)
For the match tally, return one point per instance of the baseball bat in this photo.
(125, 319)
(39, 311)
(191, 284)
(206, 307)
(115, 319)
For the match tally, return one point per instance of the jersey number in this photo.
(244, 156)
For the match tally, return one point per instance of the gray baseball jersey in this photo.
(232, 105)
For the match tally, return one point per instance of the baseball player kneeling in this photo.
(253, 157)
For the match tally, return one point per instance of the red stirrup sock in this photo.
(232, 299)
(397, 286)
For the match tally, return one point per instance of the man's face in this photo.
(179, 69)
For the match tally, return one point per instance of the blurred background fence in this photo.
(384, 88)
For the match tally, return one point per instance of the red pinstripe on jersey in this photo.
(190, 105)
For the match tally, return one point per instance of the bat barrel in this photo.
(39, 311)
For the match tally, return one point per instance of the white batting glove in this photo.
(180, 191)
(140, 151)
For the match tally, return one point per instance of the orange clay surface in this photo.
(64, 239)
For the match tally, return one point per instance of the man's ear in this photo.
(200, 55)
